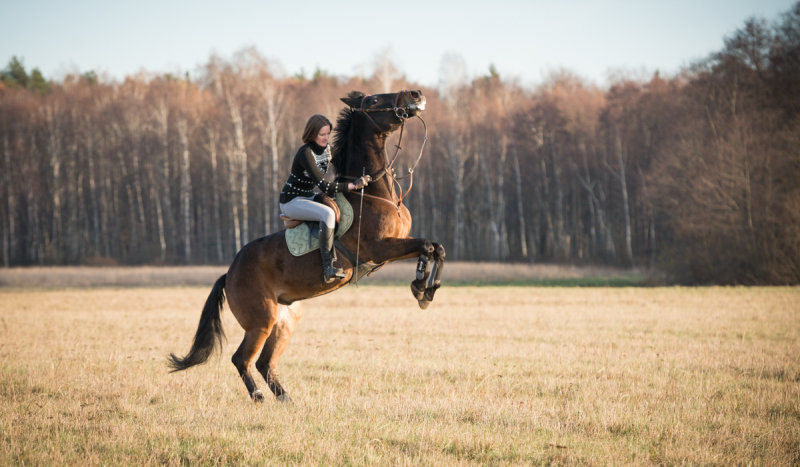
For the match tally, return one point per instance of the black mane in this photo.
(340, 140)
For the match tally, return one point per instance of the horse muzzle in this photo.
(416, 107)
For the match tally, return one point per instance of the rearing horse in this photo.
(265, 278)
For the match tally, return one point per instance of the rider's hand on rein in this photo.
(361, 182)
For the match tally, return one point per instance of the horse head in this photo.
(387, 111)
(366, 122)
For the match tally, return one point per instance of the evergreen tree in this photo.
(37, 82)
(15, 74)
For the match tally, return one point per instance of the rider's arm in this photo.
(311, 168)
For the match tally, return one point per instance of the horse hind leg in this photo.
(274, 347)
(243, 357)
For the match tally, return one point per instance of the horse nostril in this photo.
(415, 94)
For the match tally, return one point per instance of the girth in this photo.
(360, 268)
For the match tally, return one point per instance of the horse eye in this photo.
(374, 100)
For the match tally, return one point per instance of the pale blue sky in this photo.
(523, 39)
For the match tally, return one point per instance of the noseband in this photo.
(400, 112)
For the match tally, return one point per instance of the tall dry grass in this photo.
(508, 375)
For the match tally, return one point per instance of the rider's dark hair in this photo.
(313, 126)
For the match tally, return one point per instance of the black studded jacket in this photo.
(309, 166)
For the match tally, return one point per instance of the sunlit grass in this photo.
(508, 375)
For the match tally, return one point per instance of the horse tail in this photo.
(209, 331)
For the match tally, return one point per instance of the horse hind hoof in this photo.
(423, 304)
(284, 398)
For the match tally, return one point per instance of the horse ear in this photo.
(354, 98)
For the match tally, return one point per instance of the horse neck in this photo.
(371, 146)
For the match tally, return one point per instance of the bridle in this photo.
(402, 114)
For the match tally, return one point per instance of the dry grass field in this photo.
(392, 274)
(487, 375)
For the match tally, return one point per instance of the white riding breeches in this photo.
(306, 209)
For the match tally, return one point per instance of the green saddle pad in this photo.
(299, 239)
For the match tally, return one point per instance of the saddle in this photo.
(304, 236)
(321, 198)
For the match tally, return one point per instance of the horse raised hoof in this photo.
(418, 290)
(432, 290)
(427, 295)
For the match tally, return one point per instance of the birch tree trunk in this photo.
(420, 216)
(162, 241)
(434, 224)
(186, 190)
(559, 234)
(164, 206)
(543, 201)
(54, 150)
(9, 240)
(215, 204)
(608, 238)
(265, 213)
(623, 182)
(240, 156)
(650, 234)
(601, 238)
(35, 246)
(93, 198)
(457, 169)
(503, 250)
(105, 198)
(488, 191)
(523, 240)
(134, 128)
(107, 211)
(73, 187)
(135, 242)
(232, 177)
(274, 99)
(587, 183)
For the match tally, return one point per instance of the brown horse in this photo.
(264, 278)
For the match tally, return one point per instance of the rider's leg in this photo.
(330, 273)
(309, 210)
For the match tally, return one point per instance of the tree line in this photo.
(695, 174)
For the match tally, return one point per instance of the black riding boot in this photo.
(328, 254)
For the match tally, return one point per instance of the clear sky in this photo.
(522, 38)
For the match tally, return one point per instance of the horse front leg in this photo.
(429, 263)
(419, 285)
(434, 280)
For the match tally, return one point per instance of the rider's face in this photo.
(323, 135)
